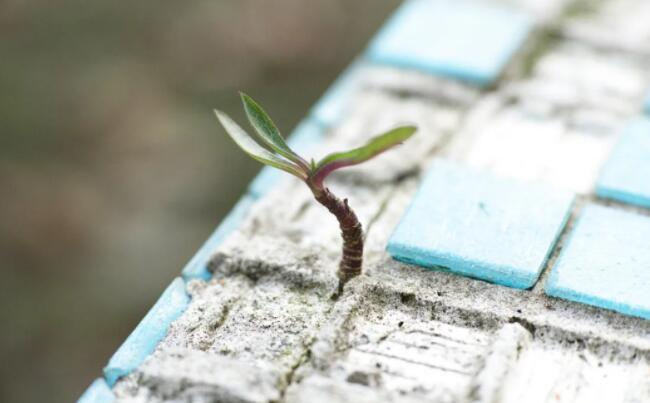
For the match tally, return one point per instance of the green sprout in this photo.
(280, 156)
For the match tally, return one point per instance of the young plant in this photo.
(280, 156)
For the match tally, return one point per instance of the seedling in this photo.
(280, 156)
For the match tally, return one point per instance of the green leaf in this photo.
(267, 130)
(374, 147)
(250, 147)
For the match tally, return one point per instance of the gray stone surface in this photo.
(612, 24)
(181, 375)
(545, 12)
(266, 328)
(574, 103)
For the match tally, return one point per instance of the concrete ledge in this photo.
(262, 325)
(619, 24)
(97, 392)
(197, 267)
(153, 328)
(184, 375)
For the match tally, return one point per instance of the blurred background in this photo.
(113, 170)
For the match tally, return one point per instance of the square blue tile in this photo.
(625, 176)
(333, 105)
(97, 392)
(606, 262)
(461, 39)
(197, 267)
(481, 226)
(302, 140)
(149, 332)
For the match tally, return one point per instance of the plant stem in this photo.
(351, 231)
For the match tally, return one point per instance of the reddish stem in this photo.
(351, 231)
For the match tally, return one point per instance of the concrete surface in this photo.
(266, 328)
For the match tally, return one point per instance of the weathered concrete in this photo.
(574, 102)
(190, 375)
(266, 327)
(612, 24)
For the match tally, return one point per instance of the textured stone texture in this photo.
(545, 12)
(618, 24)
(559, 124)
(266, 327)
(545, 374)
(421, 85)
(189, 375)
(144, 338)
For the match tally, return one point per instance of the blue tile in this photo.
(97, 392)
(625, 176)
(481, 226)
(303, 138)
(460, 39)
(605, 262)
(149, 332)
(333, 105)
(197, 267)
(265, 181)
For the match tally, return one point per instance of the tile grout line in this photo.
(560, 243)
(579, 204)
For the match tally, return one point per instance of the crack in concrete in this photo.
(561, 242)
(304, 359)
(301, 361)
(414, 362)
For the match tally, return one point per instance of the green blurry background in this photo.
(112, 168)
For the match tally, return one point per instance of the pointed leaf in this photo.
(250, 147)
(267, 130)
(374, 147)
